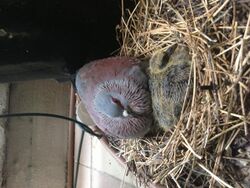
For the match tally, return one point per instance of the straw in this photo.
(196, 152)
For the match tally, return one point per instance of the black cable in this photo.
(78, 160)
(81, 125)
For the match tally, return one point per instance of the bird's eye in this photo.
(117, 102)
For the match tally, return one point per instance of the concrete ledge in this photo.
(36, 147)
(4, 100)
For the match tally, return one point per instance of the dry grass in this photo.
(200, 149)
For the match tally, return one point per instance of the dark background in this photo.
(53, 38)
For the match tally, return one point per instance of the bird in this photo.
(168, 82)
(116, 95)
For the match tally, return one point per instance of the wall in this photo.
(4, 95)
(37, 146)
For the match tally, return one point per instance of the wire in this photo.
(78, 160)
(80, 124)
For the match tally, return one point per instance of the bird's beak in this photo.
(167, 55)
(125, 113)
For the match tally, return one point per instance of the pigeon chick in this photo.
(169, 74)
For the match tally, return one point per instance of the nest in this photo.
(205, 148)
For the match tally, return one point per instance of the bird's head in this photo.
(116, 95)
(112, 104)
(124, 107)
(160, 60)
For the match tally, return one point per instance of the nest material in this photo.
(203, 148)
